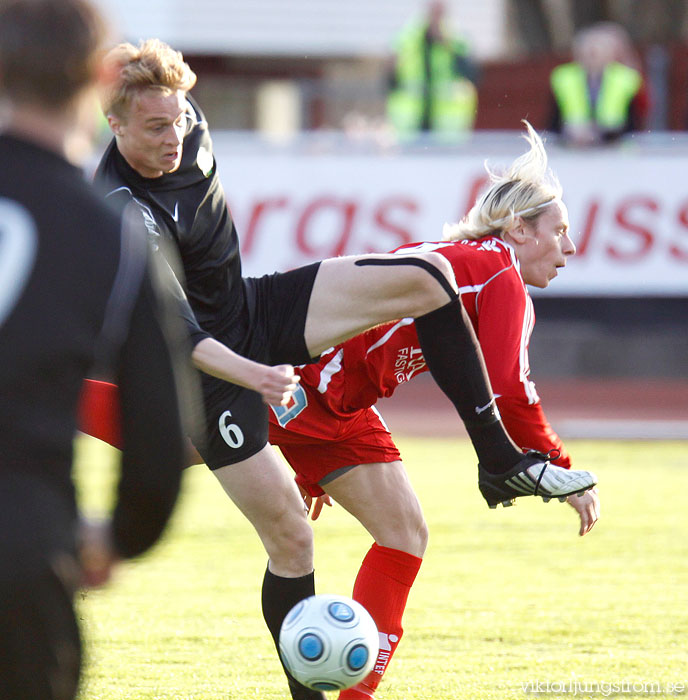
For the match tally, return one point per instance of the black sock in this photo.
(279, 596)
(453, 356)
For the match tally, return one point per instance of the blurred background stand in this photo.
(295, 94)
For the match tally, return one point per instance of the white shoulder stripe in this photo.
(472, 288)
(18, 245)
(124, 188)
(478, 288)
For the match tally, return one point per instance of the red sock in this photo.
(98, 413)
(382, 587)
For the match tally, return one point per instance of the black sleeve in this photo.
(153, 434)
(163, 251)
(169, 282)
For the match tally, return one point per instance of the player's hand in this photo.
(314, 506)
(317, 506)
(588, 508)
(278, 384)
(96, 554)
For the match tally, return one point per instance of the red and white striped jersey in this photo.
(355, 374)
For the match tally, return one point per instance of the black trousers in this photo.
(40, 645)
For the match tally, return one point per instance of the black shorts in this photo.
(236, 418)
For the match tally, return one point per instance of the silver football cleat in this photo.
(534, 475)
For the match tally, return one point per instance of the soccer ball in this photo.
(328, 642)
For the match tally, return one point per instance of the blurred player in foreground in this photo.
(516, 234)
(161, 158)
(75, 290)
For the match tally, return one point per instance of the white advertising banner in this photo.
(628, 214)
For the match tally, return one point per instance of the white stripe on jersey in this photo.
(18, 244)
(329, 370)
(526, 332)
(147, 214)
(382, 420)
(423, 247)
(472, 288)
(524, 363)
(477, 288)
(528, 321)
(123, 188)
(390, 333)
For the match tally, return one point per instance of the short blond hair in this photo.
(152, 64)
(524, 190)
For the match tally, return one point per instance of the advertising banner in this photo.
(628, 212)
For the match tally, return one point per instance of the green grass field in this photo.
(509, 604)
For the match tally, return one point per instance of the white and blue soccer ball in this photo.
(328, 642)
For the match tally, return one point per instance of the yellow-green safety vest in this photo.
(454, 97)
(619, 86)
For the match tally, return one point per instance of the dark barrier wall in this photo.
(610, 337)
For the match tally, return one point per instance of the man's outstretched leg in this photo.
(366, 291)
(279, 595)
(265, 492)
(353, 294)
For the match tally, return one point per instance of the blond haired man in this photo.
(161, 158)
(517, 234)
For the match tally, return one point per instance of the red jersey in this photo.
(351, 377)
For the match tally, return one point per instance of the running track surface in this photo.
(576, 408)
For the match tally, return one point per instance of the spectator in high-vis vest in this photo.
(600, 95)
(432, 79)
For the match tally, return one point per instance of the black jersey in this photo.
(189, 208)
(76, 289)
(262, 319)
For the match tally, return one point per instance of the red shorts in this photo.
(317, 441)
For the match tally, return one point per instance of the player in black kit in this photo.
(75, 290)
(161, 158)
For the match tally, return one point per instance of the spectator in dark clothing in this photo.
(76, 291)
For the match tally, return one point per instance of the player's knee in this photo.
(407, 531)
(290, 547)
(435, 283)
(444, 268)
(424, 535)
(421, 535)
(415, 529)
